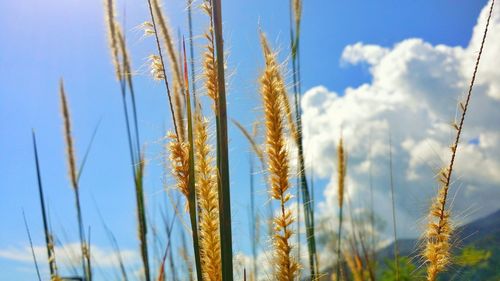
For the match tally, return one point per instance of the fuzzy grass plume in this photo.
(207, 202)
(179, 160)
(341, 173)
(209, 61)
(72, 169)
(278, 167)
(439, 229)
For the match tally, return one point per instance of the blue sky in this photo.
(43, 41)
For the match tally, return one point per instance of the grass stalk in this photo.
(49, 241)
(191, 50)
(192, 181)
(141, 217)
(253, 225)
(437, 238)
(168, 251)
(272, 87)
(31, 247)
(372, 205)
(222, 149)
(162, 63)
(295, 20)
(70, 153)
(341, 170)
(393, 205)
(124, 75)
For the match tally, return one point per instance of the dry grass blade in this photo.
(439, 229)
(278, 166)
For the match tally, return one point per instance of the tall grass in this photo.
(341, 174)
(295, 21)
(123, 71)
(72, 169)
(272, 87)
(439, 229)
(49, 239)
(201, 169)
(192, 200)
(208, 202)
(160, 64)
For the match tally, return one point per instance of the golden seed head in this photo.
(208, 203)
(341, 169)
(179, 160)
(70, 152)
(156, 67)
(272, 87)
(147, 28)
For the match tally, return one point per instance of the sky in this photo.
(369, 68)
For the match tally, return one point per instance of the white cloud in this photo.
(68, 255)
(414, 92)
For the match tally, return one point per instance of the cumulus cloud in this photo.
(413, 96)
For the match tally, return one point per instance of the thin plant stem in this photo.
(163, 68)
(306, 200)
(191, 50)
(393, 201)
(222, 150)
(48, 237)
(31, 246)
(192, 181)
